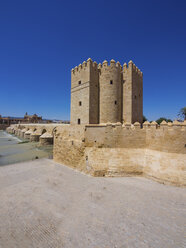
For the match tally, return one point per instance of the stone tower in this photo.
(106, 93)
(85, 93)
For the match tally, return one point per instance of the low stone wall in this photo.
(165, 167)
(162, 166)
(114, 161)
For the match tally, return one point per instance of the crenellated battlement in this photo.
(146, 125)
(112, 65)
(132, 67)
(105, 64)
(85, 65)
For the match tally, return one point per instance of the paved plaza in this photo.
(44, 204)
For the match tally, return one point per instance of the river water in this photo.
(14, 150)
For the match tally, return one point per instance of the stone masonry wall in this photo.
(157, 153)
(166, 138)
(69, 146)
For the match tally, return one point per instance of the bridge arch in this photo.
(54, 130)
(43, 131)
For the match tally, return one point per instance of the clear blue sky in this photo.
(41, 40)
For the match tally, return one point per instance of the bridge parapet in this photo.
(44, 133)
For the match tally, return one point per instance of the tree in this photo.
(163, 119)
(169, 120)
(144, 118)
(182, 113)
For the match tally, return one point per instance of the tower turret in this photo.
(110, 92)
(132, 93)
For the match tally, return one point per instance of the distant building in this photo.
(32, 118)
(16, 120)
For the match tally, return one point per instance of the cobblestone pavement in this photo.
(44, 204)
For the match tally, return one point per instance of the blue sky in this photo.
(41, 40)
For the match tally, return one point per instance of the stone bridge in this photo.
(44, 133)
